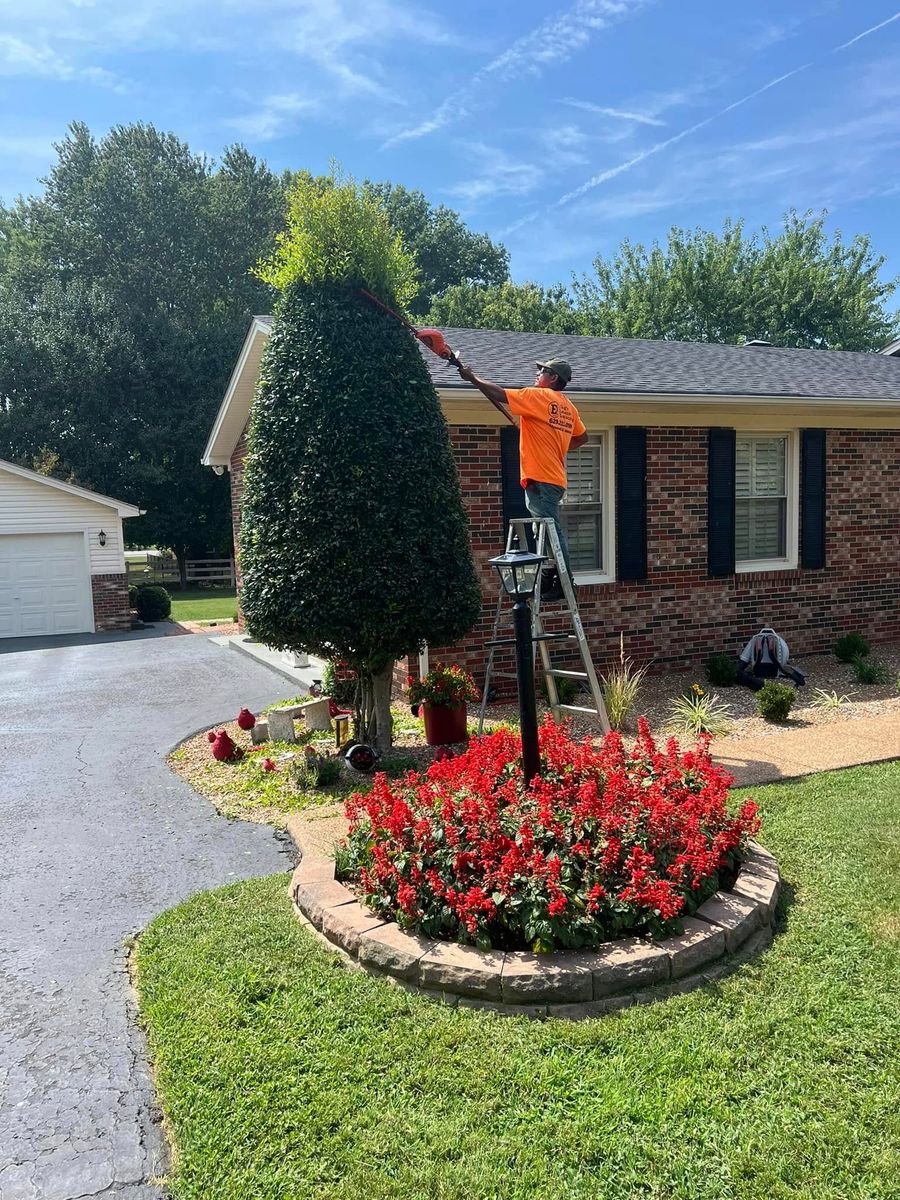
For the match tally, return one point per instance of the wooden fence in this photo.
(198, 571)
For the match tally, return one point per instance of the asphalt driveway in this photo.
(96, 838)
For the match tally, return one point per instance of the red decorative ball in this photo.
(246, 719)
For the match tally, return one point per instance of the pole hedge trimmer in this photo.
(432, 338)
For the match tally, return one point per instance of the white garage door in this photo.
(45, 585)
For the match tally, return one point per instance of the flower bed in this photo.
(606, 843)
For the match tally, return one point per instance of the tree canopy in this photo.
(522, 307)
(124, 294)
(447, 253)
(354, 541)
(796, 288)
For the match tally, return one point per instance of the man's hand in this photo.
(466, 373)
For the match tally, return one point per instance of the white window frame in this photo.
(791, 558)
(607, 571)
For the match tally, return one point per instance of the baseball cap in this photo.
(559, 367)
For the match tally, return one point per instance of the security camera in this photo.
(218, 469)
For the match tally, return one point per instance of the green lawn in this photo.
(204, 604)
(284, 1076)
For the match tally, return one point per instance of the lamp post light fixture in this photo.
(519, 572)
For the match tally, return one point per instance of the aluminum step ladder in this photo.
(541, 533)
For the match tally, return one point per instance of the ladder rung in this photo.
(577, 708)
(504, 674)
(569, 674)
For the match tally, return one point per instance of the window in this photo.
(584, 509)
(762, 480)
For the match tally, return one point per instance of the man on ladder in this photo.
(549, 427)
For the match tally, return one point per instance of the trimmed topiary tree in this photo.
(354, 541)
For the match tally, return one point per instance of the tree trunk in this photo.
(181, 555)
(384, 722)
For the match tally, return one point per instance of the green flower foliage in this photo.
(339, 232)
(354, 541)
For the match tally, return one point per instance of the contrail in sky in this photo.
(622, 168)
(866, 32)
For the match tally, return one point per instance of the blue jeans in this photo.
(542, 500)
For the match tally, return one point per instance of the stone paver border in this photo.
(725, 932)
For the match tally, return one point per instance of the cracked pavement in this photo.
(98, 837)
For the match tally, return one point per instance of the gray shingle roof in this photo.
(671, 368)
(688, 368)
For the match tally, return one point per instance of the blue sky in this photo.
(556, 128)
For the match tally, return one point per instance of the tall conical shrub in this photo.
(354, 540)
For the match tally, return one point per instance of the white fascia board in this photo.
(123, 509)
(218, 453)
(691, 399)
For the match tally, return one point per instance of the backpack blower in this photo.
(432, 338)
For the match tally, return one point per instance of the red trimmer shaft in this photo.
(432, 338)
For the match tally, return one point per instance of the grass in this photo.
(285, 1076)
(244, 789)
(204, 604)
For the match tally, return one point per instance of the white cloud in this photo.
(549, 44)
(500, 175)
(276, 115)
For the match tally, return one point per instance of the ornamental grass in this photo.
(606, 842)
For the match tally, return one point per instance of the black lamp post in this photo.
(519, 572)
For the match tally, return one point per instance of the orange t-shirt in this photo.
(549, 422)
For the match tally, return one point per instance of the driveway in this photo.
(96, 838)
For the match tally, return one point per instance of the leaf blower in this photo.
(432, 338)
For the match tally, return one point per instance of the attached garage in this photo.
(62, 565)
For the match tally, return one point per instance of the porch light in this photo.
(519, 570)
(101, 537)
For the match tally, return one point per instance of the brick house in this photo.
(722, 487)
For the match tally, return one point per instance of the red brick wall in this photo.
(111, 610)
(678, 615)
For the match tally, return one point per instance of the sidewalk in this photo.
(275, 659)
(795, 752)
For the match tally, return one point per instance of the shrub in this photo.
(869, 672)
(132, 595)
(823, 699)
(699, 712)
(566, 689)
(603, 843)
(775, 700)
(851, 646)
(314, 769)
(340, 683)
(620, 690)
(721, 670)
(401, 575)
(153, 602)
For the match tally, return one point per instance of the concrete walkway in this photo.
(97, 838)
(791, 753)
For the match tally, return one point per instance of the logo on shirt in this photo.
(560, 417)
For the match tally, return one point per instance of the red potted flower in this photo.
(443, 694)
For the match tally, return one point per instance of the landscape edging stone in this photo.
(727, 930)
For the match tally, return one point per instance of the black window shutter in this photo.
(631, 502)
(812, 498)
(513, 492)
(720, 552)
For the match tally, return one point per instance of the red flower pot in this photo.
(444, 724)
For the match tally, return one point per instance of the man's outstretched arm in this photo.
(494, 392)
